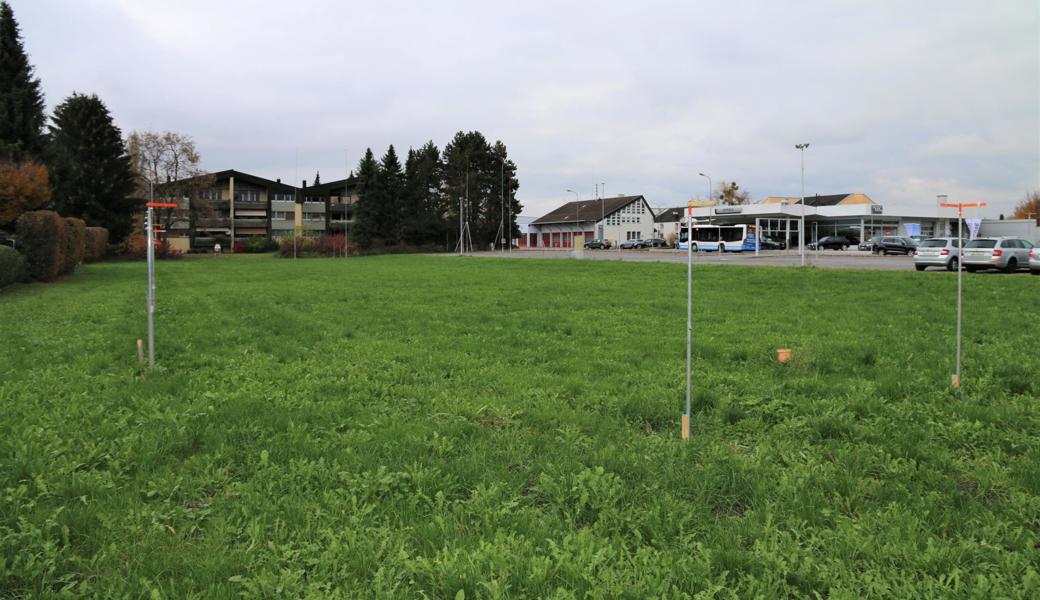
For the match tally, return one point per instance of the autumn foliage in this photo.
(95, 244)
(23, 187)
(41, 237)
(1029, 208)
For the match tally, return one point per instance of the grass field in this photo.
(468, 428)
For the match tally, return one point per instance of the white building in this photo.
(854, 216)
(615, 219)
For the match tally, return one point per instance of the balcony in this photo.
(251, 222)
(219, 223)
(250, 205)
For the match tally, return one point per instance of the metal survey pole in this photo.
(689, 319)
(150, 259)
(150, 254)
(960, 206)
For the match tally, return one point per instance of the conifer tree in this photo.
(423, 202)
(91, 175)
(390, 183)
(317, 178)
(366, 215)
(21, 101)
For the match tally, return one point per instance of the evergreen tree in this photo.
(317, 178)
(423, 202)
(91, 175)
(390, 183)
(504, 200)
(21, 101)
(469, 164)
(366, 217)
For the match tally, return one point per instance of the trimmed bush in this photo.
(137, 246)
(255, 245)
(95, 244)
(42, 237)
(12, 266)
(308, 247)
(75, 236)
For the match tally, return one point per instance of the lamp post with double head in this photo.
(801, 225)
(577, 218)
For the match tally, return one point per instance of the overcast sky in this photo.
(899, 100)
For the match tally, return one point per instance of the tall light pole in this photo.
(689, 220)
(577, 208)
(801, 225)
(939, 200)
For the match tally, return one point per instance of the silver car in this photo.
(937, 252)
(1005, 253)
(1034, 259)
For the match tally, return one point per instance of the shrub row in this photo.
(12, 266)
(137, 246)
(255, 245)
(308, 247)
(55, 246)
(95, 244)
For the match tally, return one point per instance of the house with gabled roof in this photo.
(615, 219)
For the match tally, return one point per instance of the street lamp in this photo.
(689, 220)
(577, 208)
(939, 200)
(801, 226)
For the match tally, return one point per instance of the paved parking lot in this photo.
(825, 259)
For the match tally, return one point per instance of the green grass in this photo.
(421, 426)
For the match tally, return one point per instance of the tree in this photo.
(366, 215)
(24, 187)
(171, 163)
(317, 178)
(390, 185)
(731, 194)
(1029, 208)
(471, 170)
(91, 176)
(423, 207)
(21, 101)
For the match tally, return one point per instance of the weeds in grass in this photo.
(458, 428)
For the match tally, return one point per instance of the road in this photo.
(825, 259)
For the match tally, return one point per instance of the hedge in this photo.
(75, 235)
(12, 266)
(41, 235)
(95, 244)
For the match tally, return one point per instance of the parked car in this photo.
(830, 242)
(655, 243)
(894, 245)
(598, 245)
(870, 244)
(1005, 253)
(631, 244)
(937, 252)
(1034, 259)
(765, 243)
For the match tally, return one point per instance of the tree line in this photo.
(76, 164)
(420, 202)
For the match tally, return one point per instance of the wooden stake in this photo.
(686, 427)
(955, 381)
(140, 351)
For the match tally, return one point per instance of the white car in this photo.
(1034, 259)
(937, 252)
(1005, 253)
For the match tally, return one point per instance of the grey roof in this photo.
(829, 200)
(670, 215)
(591, 210)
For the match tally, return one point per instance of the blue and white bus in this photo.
(722, 238)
